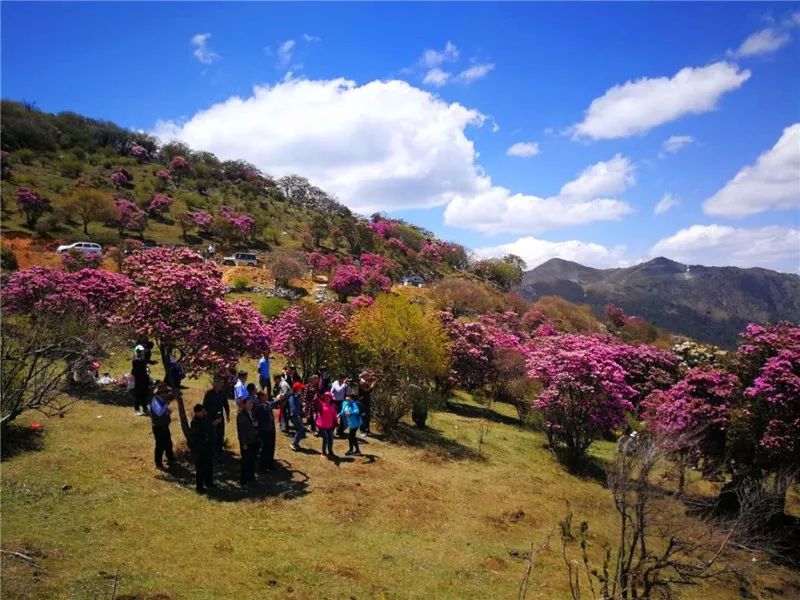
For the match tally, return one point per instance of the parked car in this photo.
(84, 247)
(241, 259)
(413, 280)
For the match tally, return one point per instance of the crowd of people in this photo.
(322, 406)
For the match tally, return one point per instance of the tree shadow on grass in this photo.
(17, 439)
(471, 411)
(112, 395)
(280, 482)
(432, 440)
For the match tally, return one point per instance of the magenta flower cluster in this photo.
(159, 203)
(242, 223)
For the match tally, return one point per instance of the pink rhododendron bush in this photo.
(178, 303)
(585, 392)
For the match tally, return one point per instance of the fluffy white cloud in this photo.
(495, 209)
(535, 251)
(285, 51)
(474, 73)
(667, 202)
(380, 146)
(311, 38)
(772, 247)
(765, 41)
(523, 149)
(637, 106)
(772, 183)
(436, 77)
(675, 143)
(387, 145)
(201, 50)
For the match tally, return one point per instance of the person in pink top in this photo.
(326, 421)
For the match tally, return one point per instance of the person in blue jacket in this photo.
(351, 416)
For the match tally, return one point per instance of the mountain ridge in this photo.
(711, 304)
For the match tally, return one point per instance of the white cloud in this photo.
(637, 106)
(495, 209)
(772, 247)
(383, 145)
(772, 183)
(474, 73)
(523, 149)
(201, 50)
(667, 202)
(434, 58)
(765, 41)
(285, 51)
(535, 251)
(311, 38)
(436, 77)
(675, 143)
(387, 145)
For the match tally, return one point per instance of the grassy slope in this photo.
(427, 520)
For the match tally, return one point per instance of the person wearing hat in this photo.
(240, 389)
(141, 381)
(296, 414)
(202, 444)
(246, 428)
(216, 403)
(160, 416)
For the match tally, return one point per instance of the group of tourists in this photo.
(323, 406)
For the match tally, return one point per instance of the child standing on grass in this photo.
(351, 416)
(326, 421)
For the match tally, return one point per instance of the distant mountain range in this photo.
(710, 304)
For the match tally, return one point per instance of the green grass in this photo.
(428, 519)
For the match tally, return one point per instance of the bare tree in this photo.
(36, 358)
(658, 548)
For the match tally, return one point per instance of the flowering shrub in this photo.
(163, 175)
(242, 223)
(91, 294)
(179, 166)
(128, 215)
(309, 334)
(202, 219)
(75, 260)
(471, 353)
(585, 393)
(119, 178)
(647, 368)
(322, 263)
(692, 354)
(615, 316)
(179, 303)
(398, 245)
(698, 405)
(383, 228)
(362, 301)
(139, 152)
(375, 282)
(159, 203)
(377, 262)
(347, 280)
(32, 205)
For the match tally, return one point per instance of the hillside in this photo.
(711, 304)
(172, 194)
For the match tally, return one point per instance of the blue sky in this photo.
(433, 96)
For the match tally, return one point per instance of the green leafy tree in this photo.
(407, 349)
(91, 206)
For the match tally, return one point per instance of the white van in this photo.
(84, 247)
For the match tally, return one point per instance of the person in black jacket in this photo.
(141, 381)
(161, 418)
(202, 444)
(216, 403)
(246, 428)
(266, 431)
